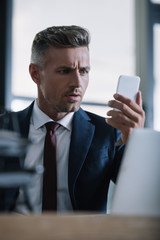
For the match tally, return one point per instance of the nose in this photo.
(76, 79)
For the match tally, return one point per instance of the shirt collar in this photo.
(39, 118)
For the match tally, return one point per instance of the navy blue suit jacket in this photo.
(94, 159)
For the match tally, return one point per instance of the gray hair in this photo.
(59, 37)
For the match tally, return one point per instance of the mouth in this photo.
(73, 97)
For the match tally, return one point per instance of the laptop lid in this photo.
(138, 185)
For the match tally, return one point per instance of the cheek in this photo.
(55, 91)
(48, 89)
(85, 84)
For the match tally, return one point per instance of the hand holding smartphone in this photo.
(128, 87)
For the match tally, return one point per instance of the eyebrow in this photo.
(69, 67)
(88, 68)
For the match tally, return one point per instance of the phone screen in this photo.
(128, 86)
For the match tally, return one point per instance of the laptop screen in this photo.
(137, 190)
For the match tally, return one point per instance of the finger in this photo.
(139, 98)
(125, 131)
(125, 109)
(127, 101)
(123, 119)
(114, 123)
(114, 104)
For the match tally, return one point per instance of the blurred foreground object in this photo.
(13, 148)
(138, 185)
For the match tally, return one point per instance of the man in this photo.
(89, 149)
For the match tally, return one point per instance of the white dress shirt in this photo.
(34, 157)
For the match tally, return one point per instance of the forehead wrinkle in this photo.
(76, 58)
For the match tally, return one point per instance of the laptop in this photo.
(137, 190)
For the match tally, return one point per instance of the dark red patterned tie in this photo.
(49, 198)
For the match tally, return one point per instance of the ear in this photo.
(34, 73)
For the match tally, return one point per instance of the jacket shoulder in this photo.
(97, 119)
(23, 119)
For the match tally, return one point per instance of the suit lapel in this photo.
(82, 134)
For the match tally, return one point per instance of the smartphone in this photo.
(128, 86)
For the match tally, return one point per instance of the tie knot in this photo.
(52, 126)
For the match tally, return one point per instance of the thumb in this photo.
(139, 98)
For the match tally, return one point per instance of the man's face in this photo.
(63, 79)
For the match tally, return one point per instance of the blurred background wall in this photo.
(125, 36)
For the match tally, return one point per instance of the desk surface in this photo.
(69, 227)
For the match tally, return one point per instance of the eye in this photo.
(64, 71)
(84, 71)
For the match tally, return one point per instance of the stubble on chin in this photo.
(73, 107)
